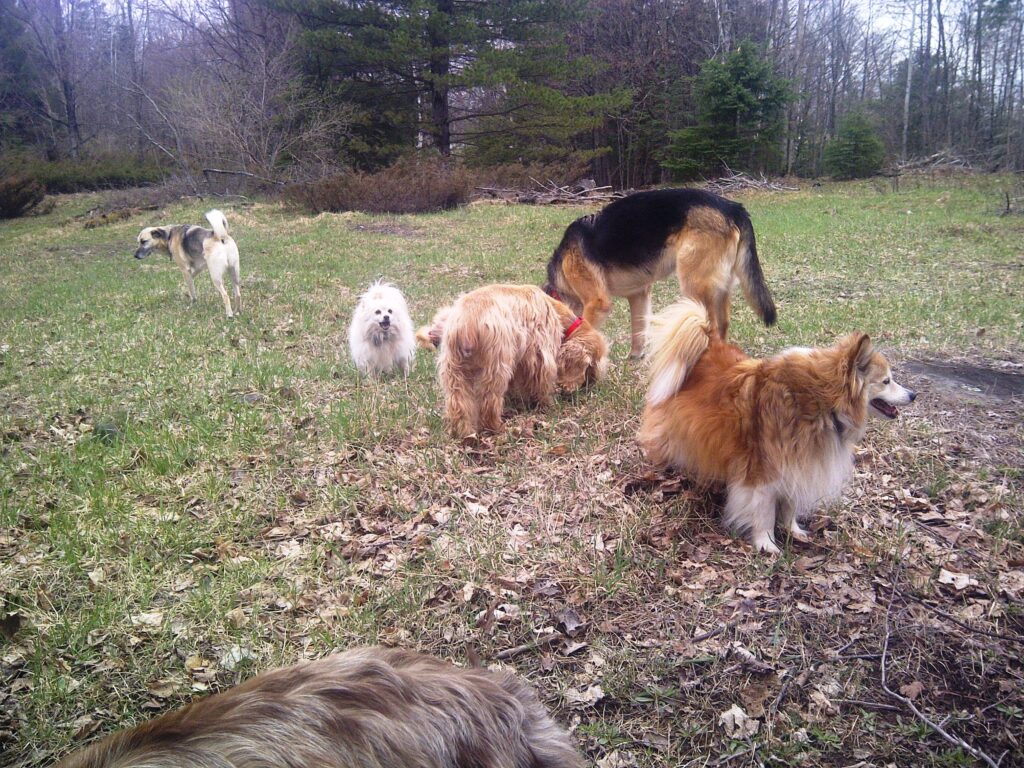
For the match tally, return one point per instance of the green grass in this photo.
(238, 483)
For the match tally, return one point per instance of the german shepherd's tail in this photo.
(219, 223)
(751, 277)
(679, 335)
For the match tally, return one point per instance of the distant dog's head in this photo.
(382, 312)
(151, 239)
(582, 358)
(869, 378)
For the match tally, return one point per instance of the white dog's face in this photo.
(381, 335)
(382, 311)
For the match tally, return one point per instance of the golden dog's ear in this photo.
(856, 351)
(861, 352)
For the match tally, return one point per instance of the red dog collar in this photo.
(572, 328)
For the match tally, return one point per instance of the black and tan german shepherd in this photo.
(635, 241)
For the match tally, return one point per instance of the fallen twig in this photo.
(207, 171)
(952, 738)
(539, 643)
(958, 622)
(868, 704)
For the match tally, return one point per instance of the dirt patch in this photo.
(385, 228)
(960, 376)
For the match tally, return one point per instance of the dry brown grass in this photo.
(184, 501)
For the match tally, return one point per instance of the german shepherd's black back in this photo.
(632, 232)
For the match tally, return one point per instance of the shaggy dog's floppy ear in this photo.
(582, 360)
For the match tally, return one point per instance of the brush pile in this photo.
(740, 182)
(551, 193)
(941, 162)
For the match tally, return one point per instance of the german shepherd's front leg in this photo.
(639, 315)
(588, 285)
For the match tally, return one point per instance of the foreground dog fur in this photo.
(195, 249)
(366, 708)
(778, 432)
(633, 242)
(380, 337)
(510, 340)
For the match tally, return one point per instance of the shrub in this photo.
(741, 103)
(526, 176)
(411, 185)
(857, 150)
(82, 175)
(19, 194)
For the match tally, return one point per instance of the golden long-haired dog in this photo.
(779, 432)
(510, 340)
(365, 708)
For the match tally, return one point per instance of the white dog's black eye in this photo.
(389, 311)
(377, 312)
(885, 381)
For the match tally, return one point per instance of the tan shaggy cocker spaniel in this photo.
(509, 340)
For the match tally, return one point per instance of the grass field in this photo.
(186, 500)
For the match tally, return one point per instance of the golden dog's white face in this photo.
(884, 394)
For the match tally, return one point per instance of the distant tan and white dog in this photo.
(365, 708)
(194, 249)
(779, 432)
(509, 340)
(380, 337)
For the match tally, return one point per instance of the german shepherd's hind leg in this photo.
(704, 261)
(719, 313)
(639, 316)
(750, 510)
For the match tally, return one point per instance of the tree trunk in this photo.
(926, 101)
(906, 95)
(944, 58)
(65, 75)
(439, 30)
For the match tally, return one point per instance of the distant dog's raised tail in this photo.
(751, 277)
(679, 335)
(218, 222)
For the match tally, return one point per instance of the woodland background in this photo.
(100, 93)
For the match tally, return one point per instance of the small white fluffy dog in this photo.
(381, 335)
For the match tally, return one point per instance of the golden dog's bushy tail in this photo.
(429, 336)
(679, 335)
(218, 222)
